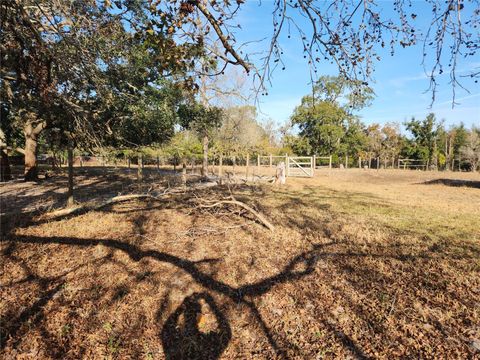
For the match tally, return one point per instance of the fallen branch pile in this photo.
(226, 203)
(229, 204)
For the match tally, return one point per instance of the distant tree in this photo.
(323, 124)
(183, 146)
(391, 141)
(355, 140)
(470, 151)
(240, 132)
(374, 141)
(425, 133)
(298, 145)
(326, 117)
(203, 120)
(460, 134)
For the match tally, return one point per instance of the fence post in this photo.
(359, 162)
(314, 161)
(378, 163)
(246, 170)
(346, 161)
(128, 162)
(330, 162)
(140, 167)
(220, 163)
(287, 164)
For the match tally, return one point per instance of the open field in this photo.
(362, 264)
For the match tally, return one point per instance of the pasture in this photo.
(361, 264)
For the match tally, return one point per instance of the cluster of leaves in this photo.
(325, 118)
(200, 118)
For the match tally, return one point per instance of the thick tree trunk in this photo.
(70, 199)
(205, 156)
(31, 141)
(31, 171)
(5, 172)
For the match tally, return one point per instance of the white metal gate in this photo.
(300, 166)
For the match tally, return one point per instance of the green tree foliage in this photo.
(325, 118)
(203, 120)
(425, 133)
(148, 119)
(296, 144)
(183, 146)
(199, 118)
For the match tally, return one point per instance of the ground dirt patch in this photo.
(362, 264)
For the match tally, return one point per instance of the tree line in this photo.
(325, 124)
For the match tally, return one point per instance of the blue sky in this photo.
(399, 81)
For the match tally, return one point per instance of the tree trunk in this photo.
(220, 170)
(140, 167)
(5, 172)
(31, 141)
(184, 175)
(31, 171)
(205, 156)
(70, 199)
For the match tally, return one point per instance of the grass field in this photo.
(362, 264)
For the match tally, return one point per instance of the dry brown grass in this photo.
(363, 264)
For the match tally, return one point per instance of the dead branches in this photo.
(97, 206)
(229, 203)
(242, 205)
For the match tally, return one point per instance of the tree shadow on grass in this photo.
(453, 182)
(183, 334)
(182, 330)
(300, 266)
